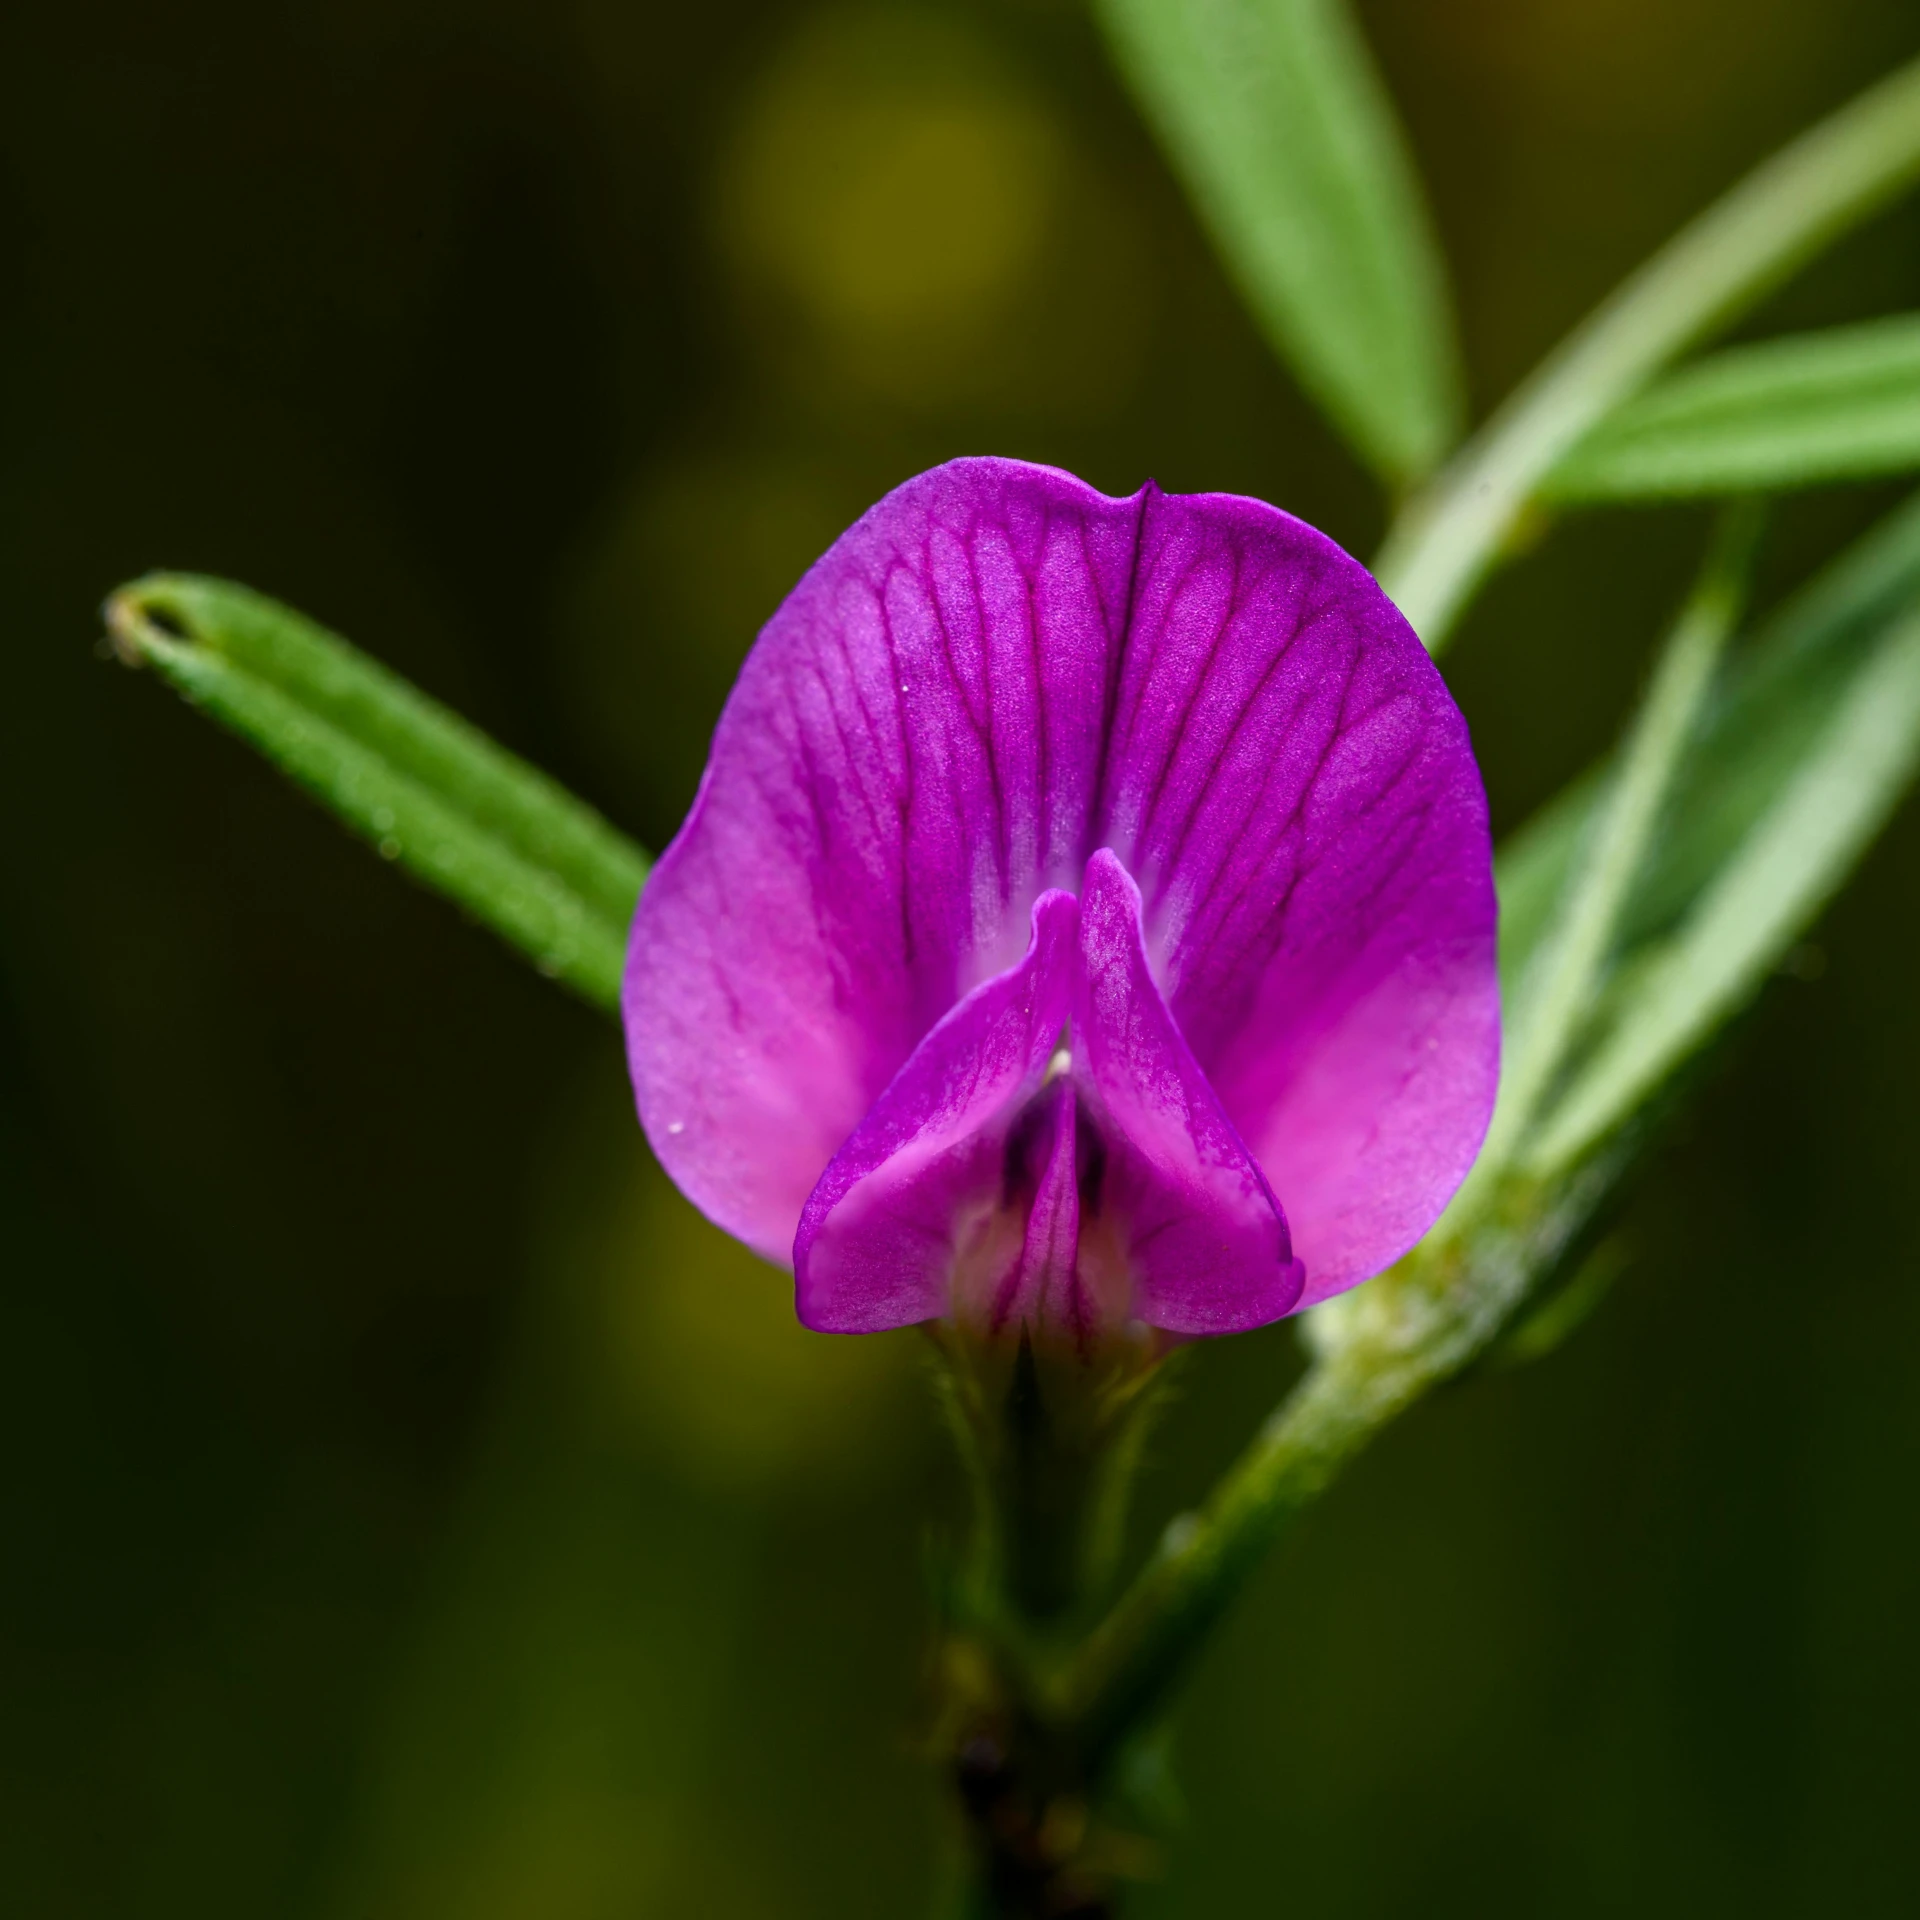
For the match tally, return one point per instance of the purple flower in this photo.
(1086, 918)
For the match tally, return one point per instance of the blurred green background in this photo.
(410, 1510)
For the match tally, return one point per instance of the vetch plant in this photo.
(1084, 939)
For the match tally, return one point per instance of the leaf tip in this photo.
(139, 624)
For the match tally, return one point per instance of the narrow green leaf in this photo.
(1530, 869)
(1842, 405)
(1555, 1000)
(1774, 697)
(1781, 690)
(1281, 129)
(1786, 869)
(1787, 210)
(429, 791)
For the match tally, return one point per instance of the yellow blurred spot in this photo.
(893, 187)
(586, 1855)
(890, 214)
(708, 1353)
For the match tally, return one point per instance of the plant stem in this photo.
(1123, 1668)
(1832, 177)
(1403, 1333)
(1050, 1439)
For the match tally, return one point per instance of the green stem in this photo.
(1783, 213)
(1123, 1669)
(1050, 1440)
(1444, 1305)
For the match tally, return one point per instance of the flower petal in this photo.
(995, 673)
(907, 761)
(1295, 790)
(1042, 1289)
(880, 1235)
(1204, 1240)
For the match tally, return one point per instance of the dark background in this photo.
(409, 1510)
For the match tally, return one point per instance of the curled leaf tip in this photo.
(135, 624)
(422, 787)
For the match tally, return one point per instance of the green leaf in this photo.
(1530, 870)
(1773, 699)
(1781, 690)
(429, 791)
(1690, 930)
(1554, 999)
(1802, 199)
(1842, 405)
(1783, 871)
(1283, 134)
